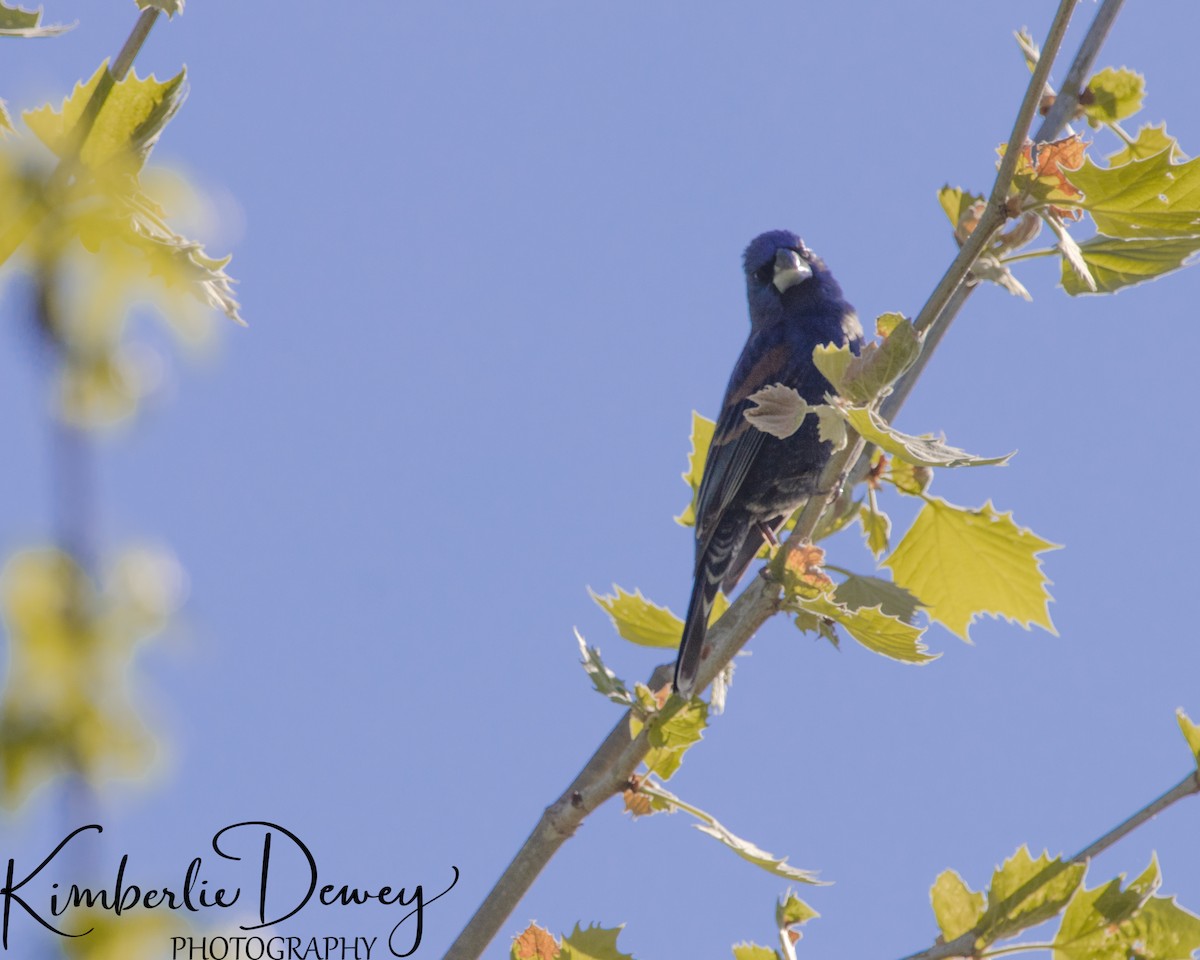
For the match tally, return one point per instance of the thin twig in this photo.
(607, 772)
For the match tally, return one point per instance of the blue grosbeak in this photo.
(753, 481)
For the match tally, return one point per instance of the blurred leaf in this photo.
(858, 591)
(604, 680)
(1029, 48)
(1025, 892)
(1072, 256)
(957, 203)
(877, 527)
(791, 910)
(862, 378)
(593, 943)
(987, 267)
(1116, 263)
(919, 451)
(1151, 140)
(963, 563)
(1143, 198)
(955, 905)
(702, 434)
(534, 943)
(885, 323)
(130, 121)
(16, 22)
(1113, 95)
(1191, 733)
(169, 7)
(665, 800)
(139, 936)
(752, 951)
(909, 478)
(6, 124)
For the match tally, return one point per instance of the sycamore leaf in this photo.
(778, 410)
(1112, 95)
(919, 451)
(1025, 892)
(870, 626)
(593, 943)
(1115, 263)
(1029, 48)
(665, 800)
(963, 563)
(1069, 248)
(6, 125)
(604, 680)
(885, 323)
(956, 906)
(957, 203)
(702, 434)
(752, 951)
(909, 478)
(862, 378)
(877, 527)
(534, 943)
(169, 7)
(671, 739)
(1150, 140)
(1041, 177)
(133, 116)
(16, 22)
(858, 591)
(639, 620)
(792, 911)
(987, 267)
(1142, 198)
(1108, 923)
(1191, 733)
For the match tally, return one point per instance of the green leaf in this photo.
(6, 124)
(1108, 923)
(858, 591)
(702, 434)
(874, 629)
(1116, 263)
(593, 943)
(963, 563)
(16, 22)
(1150, 140)
(665, 800)
(752, 951)
(792, 911)
(863, 378)
(639, 620)
(919, 451)
(1072, 255)
(604, 680)
(885, 323)
(133, 116)
(1025, 892)
(956, 202)
(955, 905)
(909, 478)
(169, 7)
(1143, 198)
(1113, 95)
(1191, 733)
(877, 527)
(671, 739)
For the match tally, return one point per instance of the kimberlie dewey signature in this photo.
(269, 894)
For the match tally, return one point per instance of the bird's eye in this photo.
(765, 274)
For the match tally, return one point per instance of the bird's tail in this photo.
(691, 649)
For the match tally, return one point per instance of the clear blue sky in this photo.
(489, 257)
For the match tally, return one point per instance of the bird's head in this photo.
(783, 275)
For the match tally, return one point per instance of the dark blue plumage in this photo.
(753, 481)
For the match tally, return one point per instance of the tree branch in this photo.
(608, 771)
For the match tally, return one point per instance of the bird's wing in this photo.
(736, 442)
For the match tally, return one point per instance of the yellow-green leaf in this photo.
(1025, 892)
(1115, 263)
(858, 591)
(862, 378)
(919, 451)
(132, 117)
(1151, 140)
(1191, 733)
(169, 7)
(644, 622)
(1143, 198)
(670, 740)
(702, 434)
(752, 951)
(6, 125)
(963, 563)
(592, 943)
(874, 629)
(956, 202)
(16, 22)
(877, 527)
(955, 905)
(606, 682)
(1113, 95)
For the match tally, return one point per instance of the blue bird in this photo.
(753, 482)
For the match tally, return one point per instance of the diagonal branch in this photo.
(608, 771)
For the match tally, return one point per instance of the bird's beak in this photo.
(790, 269)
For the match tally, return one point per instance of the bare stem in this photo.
(607, 772)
